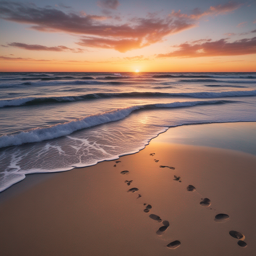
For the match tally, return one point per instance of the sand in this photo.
(168, 199)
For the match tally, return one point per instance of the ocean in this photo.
(52, 122)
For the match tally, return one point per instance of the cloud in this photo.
(37, 47)
(63, 6)
(215, 48)
(212, 11)
(122, 45)
(229, 34)
(241, 24)
(98, 31)
(201, 41)
(253, 31)
(136, 58)
(254, 21)
(20, 59)
(108, 4)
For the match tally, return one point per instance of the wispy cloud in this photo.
(230, 34)
(136, 58)
(212, 11)
(63, 6)
(215, 48)
(99, 32)
(241, 24)
(37, 47)
(108, 4)
(21, 59)
(122, 45)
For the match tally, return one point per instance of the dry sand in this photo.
(90, 211)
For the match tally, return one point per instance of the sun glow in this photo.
(137, 71)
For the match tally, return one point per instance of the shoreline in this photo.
(245, 145)
(91, 210)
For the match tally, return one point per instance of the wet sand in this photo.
(168, 199)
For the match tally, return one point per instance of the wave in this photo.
(205, 76)
(214, 80)
(179, 76)
(202, 95)
(60, 130)
(113, 77)
(219, 85)
(56, 78)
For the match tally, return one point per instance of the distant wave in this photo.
(56, 78)
(215, 80)
(54, 83)
(219, 85)
(205, 76)
(179, 76)
(112, 77)
(60, 130)
(202, 95)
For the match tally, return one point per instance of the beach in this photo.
(128, 128)
(167, 199)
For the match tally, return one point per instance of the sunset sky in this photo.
(122, 36)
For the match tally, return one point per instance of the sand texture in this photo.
(167, 199)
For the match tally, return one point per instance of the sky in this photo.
(124, 36)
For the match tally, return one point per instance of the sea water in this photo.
(54, 122)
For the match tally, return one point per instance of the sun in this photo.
(137, 71)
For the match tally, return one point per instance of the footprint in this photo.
(205, 202)
(152, 154)
(166, 223)
(128, 182)
(163, 228)
(124, 172)
(177, 178)
(237, 235)
(191, 188)
(221, 217)
(156, 160)
(155, 217)
(115, 165)
(118, 161)
(139, 195)
(166, 166)
(173, 245)
(148, 208)
(242, 243)
(133, 190)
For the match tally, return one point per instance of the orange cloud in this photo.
(241, 24)
(20, 59)
(122, 45)
(215, 48)
(36, 47)
(136, 58)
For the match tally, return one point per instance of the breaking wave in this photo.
(60, 130)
